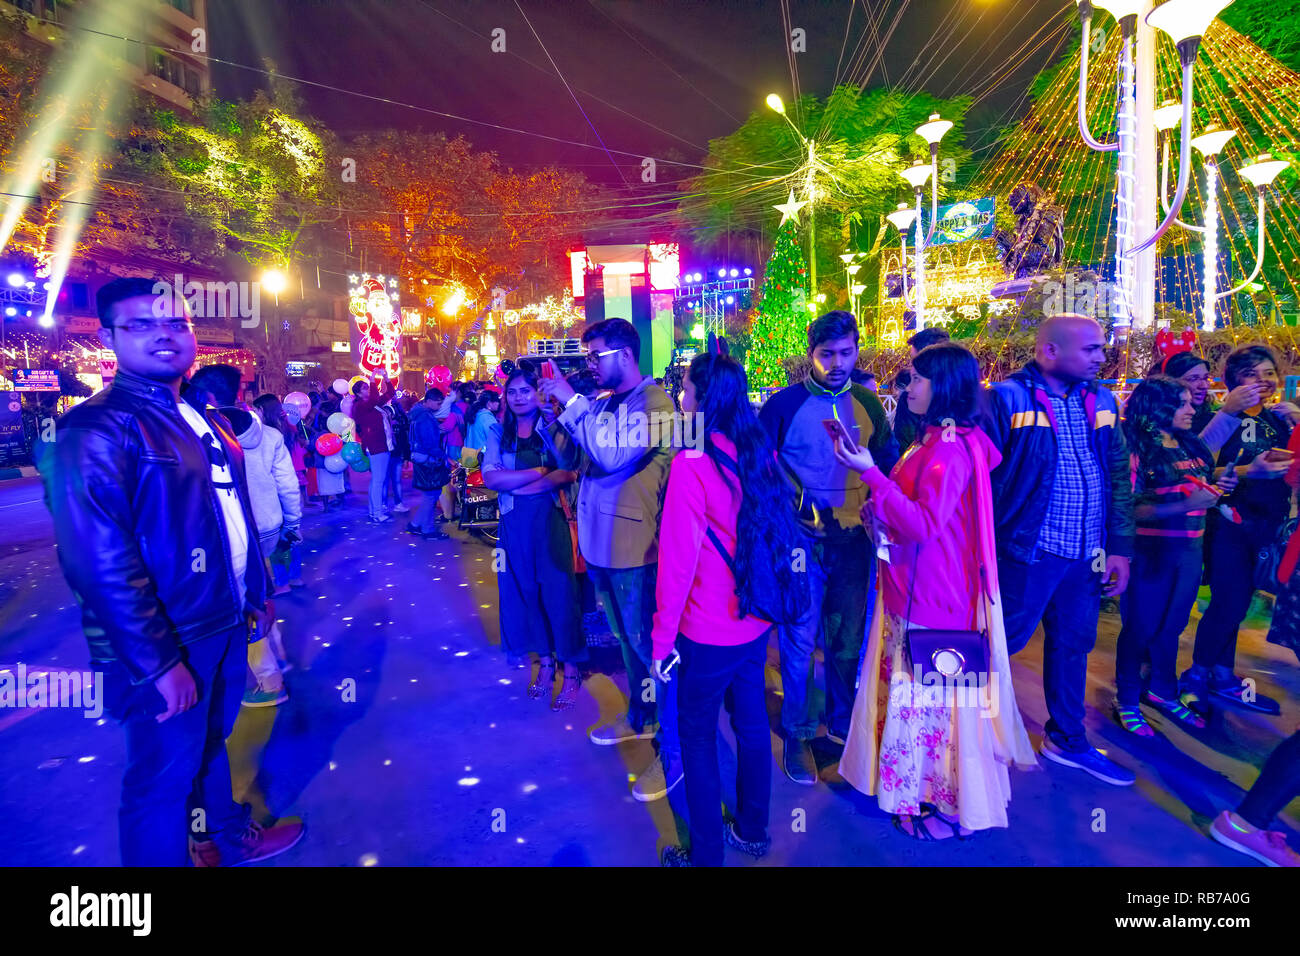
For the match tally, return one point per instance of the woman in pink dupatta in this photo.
(937, 758)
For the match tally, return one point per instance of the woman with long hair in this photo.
(529, 464)
(1173, 487)
(932, 745)
(725, 540)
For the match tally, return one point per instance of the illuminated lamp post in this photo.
(1259, 174)
(916, 175)
(775, 103)
(1209, 144)
(1185, 21)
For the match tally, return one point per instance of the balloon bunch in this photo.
(339, 445)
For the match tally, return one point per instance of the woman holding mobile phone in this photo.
(1259, 504)
(937, 762)
(726, 513)
(1173, 475)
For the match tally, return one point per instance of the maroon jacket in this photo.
(370, 420)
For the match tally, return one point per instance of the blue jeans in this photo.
(1155, 608)
(288, 567)
(178, 767)
(628, 596)
(1065, 594)
(839, 570)
(711, 675)
(393, 479)
(378, 472)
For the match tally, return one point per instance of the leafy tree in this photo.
(862, 139)
(432, 209)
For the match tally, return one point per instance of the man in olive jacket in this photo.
(620, 499)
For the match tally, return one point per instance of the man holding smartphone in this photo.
(620, 501)
(840, 556)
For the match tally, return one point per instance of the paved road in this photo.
(442, 759)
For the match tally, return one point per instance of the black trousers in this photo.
(1278, 785)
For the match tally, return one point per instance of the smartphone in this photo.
(548, 369)
(835, 429)
(672, 662)
(1279, 454)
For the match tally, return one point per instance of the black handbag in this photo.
(1268, 560)
(950, 653)
(430, 475)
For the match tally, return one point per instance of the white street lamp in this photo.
(1185, 21)
(1209, 144)
(902, 219)
(1259, 174)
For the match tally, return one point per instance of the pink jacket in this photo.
(932, 499)
(696, 594)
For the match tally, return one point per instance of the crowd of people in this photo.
(919, 552)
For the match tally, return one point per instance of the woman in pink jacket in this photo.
(935, 750)
(725, 540)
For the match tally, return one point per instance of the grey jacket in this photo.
(621, 492)
(555, 438)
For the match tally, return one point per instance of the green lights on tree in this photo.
(780, 328)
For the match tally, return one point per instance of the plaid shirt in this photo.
(1072, 528)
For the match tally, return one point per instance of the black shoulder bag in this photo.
(952, 654)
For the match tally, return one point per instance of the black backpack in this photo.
(777, 604)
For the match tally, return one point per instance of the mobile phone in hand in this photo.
(835, 429)
(548, 369)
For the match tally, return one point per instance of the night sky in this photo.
(654, 78)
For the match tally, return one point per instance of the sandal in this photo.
(1131, 719)
(543, 681)
(568, 695)
(1176, 710)
(922, 832)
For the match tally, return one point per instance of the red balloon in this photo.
(329, 444)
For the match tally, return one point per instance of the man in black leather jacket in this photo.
(152, 525)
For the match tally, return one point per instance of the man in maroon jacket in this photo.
(374, 441)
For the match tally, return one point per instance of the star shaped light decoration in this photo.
(790, 209)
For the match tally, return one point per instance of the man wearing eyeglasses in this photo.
(152, 524)
(620, 499)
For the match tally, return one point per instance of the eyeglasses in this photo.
(144, 326)
(595, 357)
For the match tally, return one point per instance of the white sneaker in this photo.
(400, 508)
(380, 519)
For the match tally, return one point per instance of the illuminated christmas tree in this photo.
(780, 329)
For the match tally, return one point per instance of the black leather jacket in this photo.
(129, 486)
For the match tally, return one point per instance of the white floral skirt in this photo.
(947, 745)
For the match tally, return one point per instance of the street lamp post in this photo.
(901, 219)
(776, 104)
(916, 175)
(1185, 21)
(1209, 144)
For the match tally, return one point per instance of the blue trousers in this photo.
(709, 677)
(628, 596)
(1065, 594)
(839, 574)
(177, 776)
